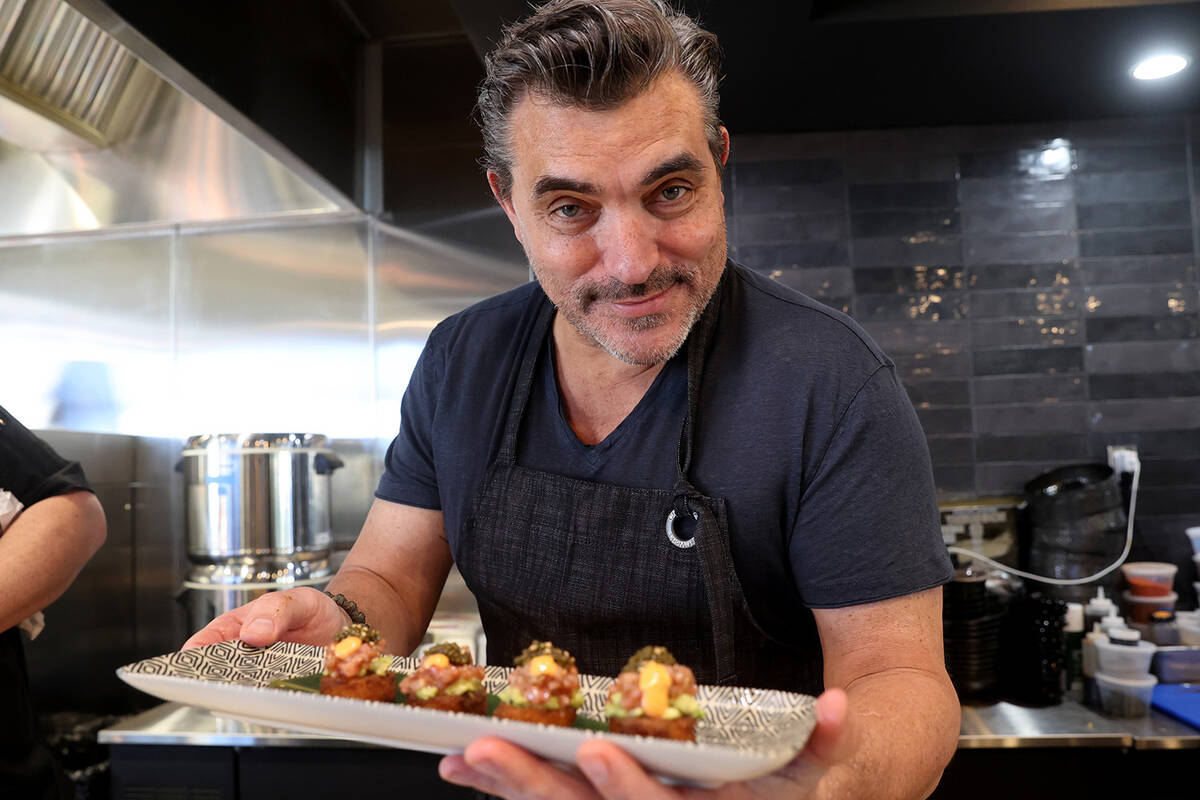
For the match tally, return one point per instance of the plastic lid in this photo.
(1160, 599)
(1162, 615)
(1074, 620)
(1125, 636)
(1140, 682)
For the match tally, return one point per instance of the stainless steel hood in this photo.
(99, 129)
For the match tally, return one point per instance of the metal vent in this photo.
(56, 62)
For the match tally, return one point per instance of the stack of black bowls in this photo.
(971, 624)
(1034, 645)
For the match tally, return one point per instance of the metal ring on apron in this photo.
(675, 540)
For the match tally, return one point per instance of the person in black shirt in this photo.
(51, 524)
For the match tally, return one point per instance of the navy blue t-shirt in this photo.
(803, 428)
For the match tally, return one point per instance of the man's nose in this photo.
(629, 243)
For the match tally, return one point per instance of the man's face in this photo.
(621, 215)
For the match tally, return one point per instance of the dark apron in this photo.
(602, 570)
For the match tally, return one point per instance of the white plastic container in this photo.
(1188, 623)
(1194, 535)
(1140, 608)
(1123, 660)
(1125, 697)
(1158, 572)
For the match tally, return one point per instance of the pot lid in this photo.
(262, 441)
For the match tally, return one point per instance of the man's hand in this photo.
(605, 771)
(296, 615)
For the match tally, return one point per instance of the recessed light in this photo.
(1159, 66)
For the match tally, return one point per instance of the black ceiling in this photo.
(791, 65)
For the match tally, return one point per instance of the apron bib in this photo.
(602, 570)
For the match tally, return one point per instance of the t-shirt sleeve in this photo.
(410, 470)
(869, 527)
(30, 469)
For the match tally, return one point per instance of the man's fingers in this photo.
(291, 615)
(833, 740)
(616, 775)
(512, 772)
(454, 769)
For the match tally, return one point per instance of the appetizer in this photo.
(544, 687)
(654, 696)
(447, 680)
(356, 666)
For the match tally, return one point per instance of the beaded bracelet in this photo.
(350, 607)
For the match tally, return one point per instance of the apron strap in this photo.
(520, 394)
(690, 504)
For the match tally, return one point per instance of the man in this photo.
(651, 446)
(50, 525)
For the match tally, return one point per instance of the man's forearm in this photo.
(908, 723)
(384, 606)
(43, 550)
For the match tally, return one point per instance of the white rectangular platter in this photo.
(745, 733)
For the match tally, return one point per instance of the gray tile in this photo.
(1179, 443)
(801, 198)
(788, 172)
(1042, 447)
(748, 148)
(980, 193)
(935, 421)
(1138, 270)
(1054, 302)
(1019, 219)
(1102, 158)
(1118, 358)
(1170, 500)
(1029, 389)
(916, 337)
(1131, 187)
(767, 257)
(1009, 479)
(770, 228)
(1023, 276)
(820, 282)
(951, 449)
(1135, 215)
(1034, 248)
(1144, 415)
(891, 168)
(1027, 332)
(953, 481)
(1137, 301)
(930, 307)
(1160, 241)
(896, 251)
(1132, 329)
(1030, 135)
(905, 140)
(913, 366)
(1145, 385)
(881, 196)
(907, 280)
(1053, 160)
(906, 222)
(1143, 129)
(924, 394)
(1026, 361)
(1171, 471)
(1054, 418)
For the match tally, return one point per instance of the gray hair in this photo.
(594, 54)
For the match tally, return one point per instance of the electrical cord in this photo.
(1133, 489)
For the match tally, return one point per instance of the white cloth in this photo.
(10, 508)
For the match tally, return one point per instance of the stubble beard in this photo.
(578, 307)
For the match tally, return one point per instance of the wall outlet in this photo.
(1123, 457)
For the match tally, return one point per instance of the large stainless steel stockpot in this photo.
(255, 495)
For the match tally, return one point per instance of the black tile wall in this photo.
(1036, 286)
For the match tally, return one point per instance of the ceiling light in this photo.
(1159, 66)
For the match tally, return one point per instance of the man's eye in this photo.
(568, 211)
(672, 193)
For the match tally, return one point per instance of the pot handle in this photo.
(326, 464)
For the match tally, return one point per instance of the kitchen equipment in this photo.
(972, 616)
(1077, 527)
(1140, 608)
(258, 517)
(1193, 535)
(1124, 660)
(1033, 650)
(1125, 697)
(1149, 578)
(1177, 664)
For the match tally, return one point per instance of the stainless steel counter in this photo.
(996, 726)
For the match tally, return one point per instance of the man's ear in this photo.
(505, 202)
(724, 138)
